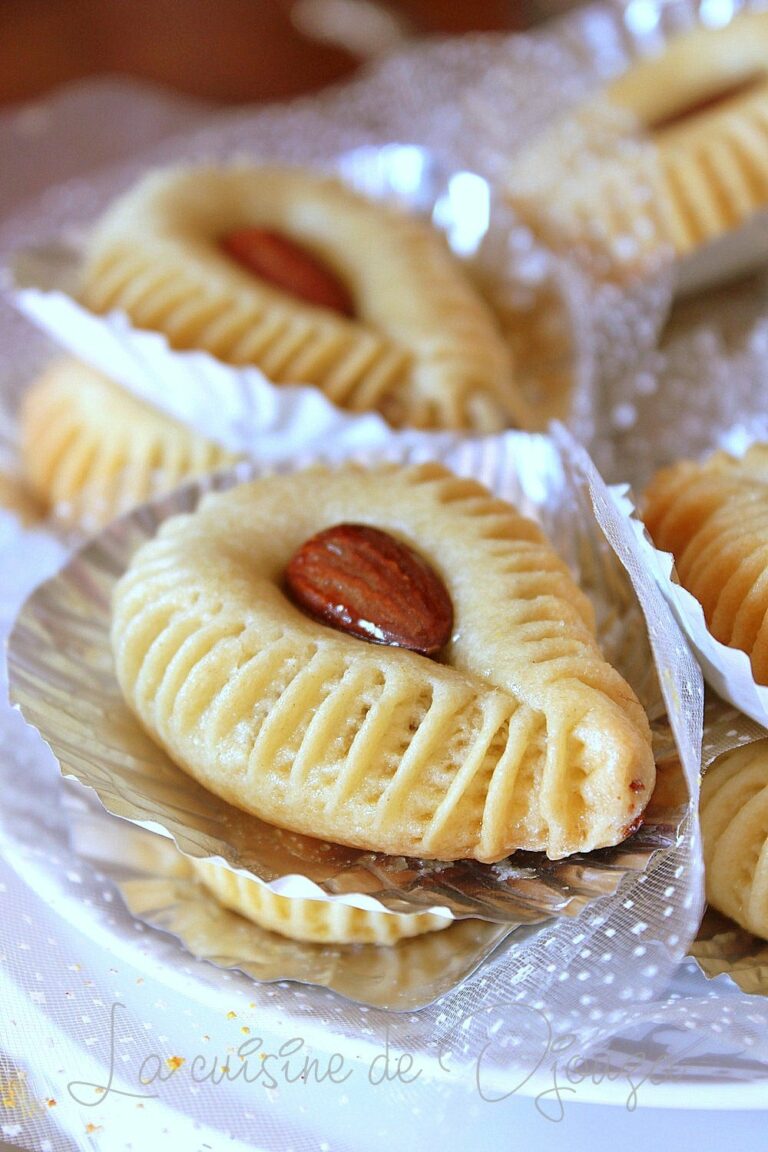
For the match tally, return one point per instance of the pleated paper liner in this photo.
(159, 887)
(62, 677)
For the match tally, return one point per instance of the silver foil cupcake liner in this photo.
(62, 677)
(158, 885)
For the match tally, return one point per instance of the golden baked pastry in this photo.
(90, 450)
(16, 498)
(519, 736)
(703, 105)
(423, 349)
(713, 518)
(734, 828)
(318, 921)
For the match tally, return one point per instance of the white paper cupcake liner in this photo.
(239, 408)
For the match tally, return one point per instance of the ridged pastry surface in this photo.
(91, 451)
(316, 921)
(704, 101)
(713, 518)
(423, 348)
(699, 113)
(734, 827)
(521, 736)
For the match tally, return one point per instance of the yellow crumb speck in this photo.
(15, 1095)
(51, 1103)
(91, 1128)
(231, 1015)
(246, 1030)
(174, 1062)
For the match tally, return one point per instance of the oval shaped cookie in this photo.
(713, 518)
(91, 451)
(734, 829)
(522, 736)
(702, 103)
(318, 921)
(423, 348)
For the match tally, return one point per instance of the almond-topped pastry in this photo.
(734, 830)
(713, 518)
(514, 733)
(91, 451)
(318, 921)
(292, 272)
(702, 104)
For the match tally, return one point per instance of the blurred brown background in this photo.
(230, 51)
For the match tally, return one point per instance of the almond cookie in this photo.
(734, 829)
(519, 735)
(713, 518)
(318, 921)
(702, 103)
(91, 451)
(292, 272)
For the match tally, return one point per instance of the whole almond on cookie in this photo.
(363, 581)
(288, 266)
